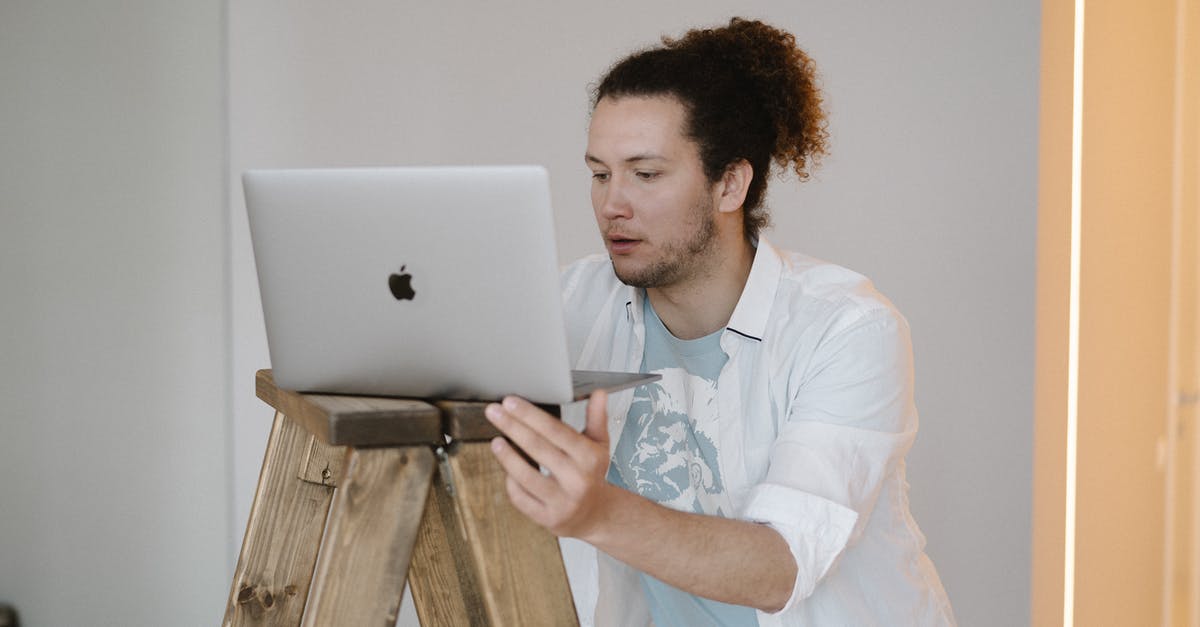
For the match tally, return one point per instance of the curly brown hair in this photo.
(750, 93)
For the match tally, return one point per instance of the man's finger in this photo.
(524, 501)
(531, 440)
(568, 441)
(597, 417)
(530, 478)
(550, 427)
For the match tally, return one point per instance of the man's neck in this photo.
(705, 303)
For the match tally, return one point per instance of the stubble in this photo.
(679, 260)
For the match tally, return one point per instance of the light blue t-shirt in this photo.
(667, 453)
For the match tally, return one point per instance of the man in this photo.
(762, 480)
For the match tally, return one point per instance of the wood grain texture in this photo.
(355, 420)
(464, 420)
(441, 577)
(517, 563)
(364, 557)
(279, 550)
(322, 463)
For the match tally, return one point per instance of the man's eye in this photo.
(600, 176)
(646, 176)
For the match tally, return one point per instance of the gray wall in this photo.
(114, 502)
(930, 191)
(120, 327)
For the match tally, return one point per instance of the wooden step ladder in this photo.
(359, 493)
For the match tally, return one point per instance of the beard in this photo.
(679, 260)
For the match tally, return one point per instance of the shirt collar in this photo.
(749, 318)
(633, 304)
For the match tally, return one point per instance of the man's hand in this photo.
(571, 497)
(728, 560)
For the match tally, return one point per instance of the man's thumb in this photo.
(597, 417)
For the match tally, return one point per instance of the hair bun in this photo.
(782, 76)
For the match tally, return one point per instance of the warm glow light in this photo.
(1170, 531)
(1073, 319)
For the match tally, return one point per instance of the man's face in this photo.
(653, 203)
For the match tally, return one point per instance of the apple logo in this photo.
(401, 285)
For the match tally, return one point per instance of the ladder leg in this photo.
(441, 577)
(517, 563)
(364, 557)
(279, 550)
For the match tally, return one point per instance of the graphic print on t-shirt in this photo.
(664, 454)
(667, 452)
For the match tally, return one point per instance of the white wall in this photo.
(930, 191)
(114, 500)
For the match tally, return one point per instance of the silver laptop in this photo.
(435, 282)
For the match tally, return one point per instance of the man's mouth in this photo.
(620, 244)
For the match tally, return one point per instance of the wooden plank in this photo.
(517, 563)
(279, 550)
(355, 420)
(322, 463)
(440, 576)
(464, 420)
(359, 578)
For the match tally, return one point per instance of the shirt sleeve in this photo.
(850, 422)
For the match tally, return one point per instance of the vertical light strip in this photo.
(1073, 319)
(1185, 93)
(1193, 243)
(1171, 504)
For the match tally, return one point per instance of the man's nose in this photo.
(615, 200)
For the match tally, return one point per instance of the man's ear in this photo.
(734, 184)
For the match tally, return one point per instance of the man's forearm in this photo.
(732, 561)
(727, 560)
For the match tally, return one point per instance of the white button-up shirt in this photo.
(816, 415)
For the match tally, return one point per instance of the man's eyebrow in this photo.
(646, 156)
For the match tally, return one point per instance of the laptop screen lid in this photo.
(434, 282)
